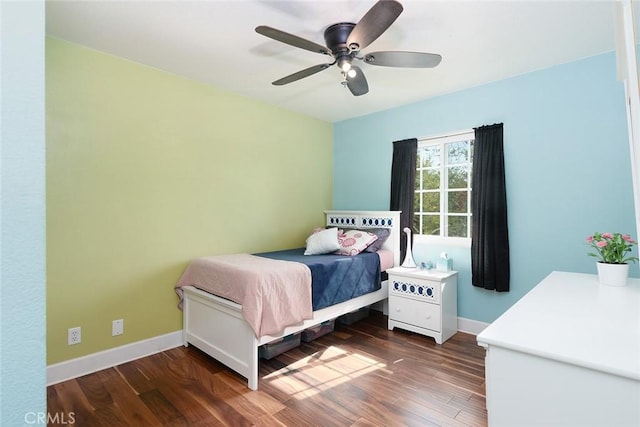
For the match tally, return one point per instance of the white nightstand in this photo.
(424, 301)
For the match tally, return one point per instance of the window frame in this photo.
(442, 141)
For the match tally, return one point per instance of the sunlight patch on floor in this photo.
(321, 371)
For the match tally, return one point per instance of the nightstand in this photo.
(424, 301)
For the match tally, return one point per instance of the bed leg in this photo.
(253, 383)
(185, 320)
(253, 374)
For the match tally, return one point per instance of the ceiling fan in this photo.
(344, 41)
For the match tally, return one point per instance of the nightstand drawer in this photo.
(410, 287)
(413, 312)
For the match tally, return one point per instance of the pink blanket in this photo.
(273, 293)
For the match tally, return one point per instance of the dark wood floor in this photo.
(359, 375)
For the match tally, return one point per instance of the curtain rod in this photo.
(456, 133)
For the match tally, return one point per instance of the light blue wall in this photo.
(22, 213)
(567, 168)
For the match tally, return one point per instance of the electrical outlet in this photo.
(117, 327)
(74, 336)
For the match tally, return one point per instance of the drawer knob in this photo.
(427, 316)
(398, 309)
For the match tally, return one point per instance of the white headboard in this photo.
(371, 219)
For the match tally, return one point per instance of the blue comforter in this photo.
(335, 278)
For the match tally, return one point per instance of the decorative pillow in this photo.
(352, 242)
(322, 242)
(383, 235)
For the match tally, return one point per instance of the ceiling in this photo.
(214, 42)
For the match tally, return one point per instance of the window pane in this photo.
(431, 225)
(457, 202)
(442, 185)
(457, 176)
(457, 226)
(431, 202)
(429, 156)
(458, 152)
(430, 179)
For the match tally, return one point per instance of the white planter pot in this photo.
(613, 274)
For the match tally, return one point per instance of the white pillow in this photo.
(323, 242)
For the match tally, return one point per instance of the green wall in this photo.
(147, 170)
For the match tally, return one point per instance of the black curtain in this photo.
(403, 181)
(489, 235)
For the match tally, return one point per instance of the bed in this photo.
(216, 325)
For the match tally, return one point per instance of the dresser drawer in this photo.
(414, 312)
(419, 289)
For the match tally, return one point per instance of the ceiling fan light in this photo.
(351, 73)
(344, 63)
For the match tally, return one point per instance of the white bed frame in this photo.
(215, 325)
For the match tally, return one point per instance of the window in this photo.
(442, 201)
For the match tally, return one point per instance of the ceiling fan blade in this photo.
(403, 59)
(357, 84)
(301, 74)
(373, 24)
(292, 40)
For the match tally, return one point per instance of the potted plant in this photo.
(612, 251)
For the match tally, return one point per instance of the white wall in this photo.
(22, 213)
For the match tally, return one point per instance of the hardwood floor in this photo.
(359, 375)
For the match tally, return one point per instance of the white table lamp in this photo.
(408, 258)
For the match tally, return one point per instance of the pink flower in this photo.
(612, 248)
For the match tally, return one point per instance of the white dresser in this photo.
(566, 354)
(423, 301)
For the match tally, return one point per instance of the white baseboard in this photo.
(115, 356)
(84, 365)
(471, 326)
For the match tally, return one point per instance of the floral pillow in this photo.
(352, 242)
